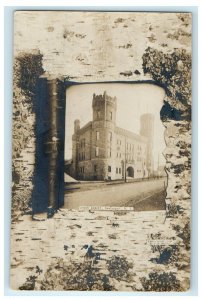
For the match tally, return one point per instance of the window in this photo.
(109, 168)
(110, 136)
(117, 155)
(96, 151)
(97, 135)
(110, 115)
(117, 170)
(95, 168)
(82, 143)
(109, 152)
(98, 114)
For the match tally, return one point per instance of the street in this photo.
(142, 195)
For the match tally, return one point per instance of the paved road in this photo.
(124, 194)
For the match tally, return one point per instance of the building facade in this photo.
(103, 151)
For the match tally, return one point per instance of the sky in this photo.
(133, 100)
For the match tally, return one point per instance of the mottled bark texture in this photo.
(27, 69)
(173, 72)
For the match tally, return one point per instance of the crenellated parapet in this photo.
(102, 98)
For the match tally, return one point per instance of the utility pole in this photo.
(125, 159)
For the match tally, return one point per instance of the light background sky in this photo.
(133, 100)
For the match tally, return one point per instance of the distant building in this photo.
(103, 151)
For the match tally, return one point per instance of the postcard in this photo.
(101, 185)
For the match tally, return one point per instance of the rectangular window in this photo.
(119, 170)
(96, 151)
(110, 136)
(109, 152)
(98, 114)
(95, 168)
(97, 135)
(116, 170)
(109, 169)
(110, 115)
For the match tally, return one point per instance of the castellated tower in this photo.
(147, 130)
(103, 137)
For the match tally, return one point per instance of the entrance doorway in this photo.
(130, 172)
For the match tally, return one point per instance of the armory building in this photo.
(103, 151)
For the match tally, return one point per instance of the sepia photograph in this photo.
(114, 146)
(101, 151)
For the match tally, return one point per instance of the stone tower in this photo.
(147, 130)
(103, 126)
